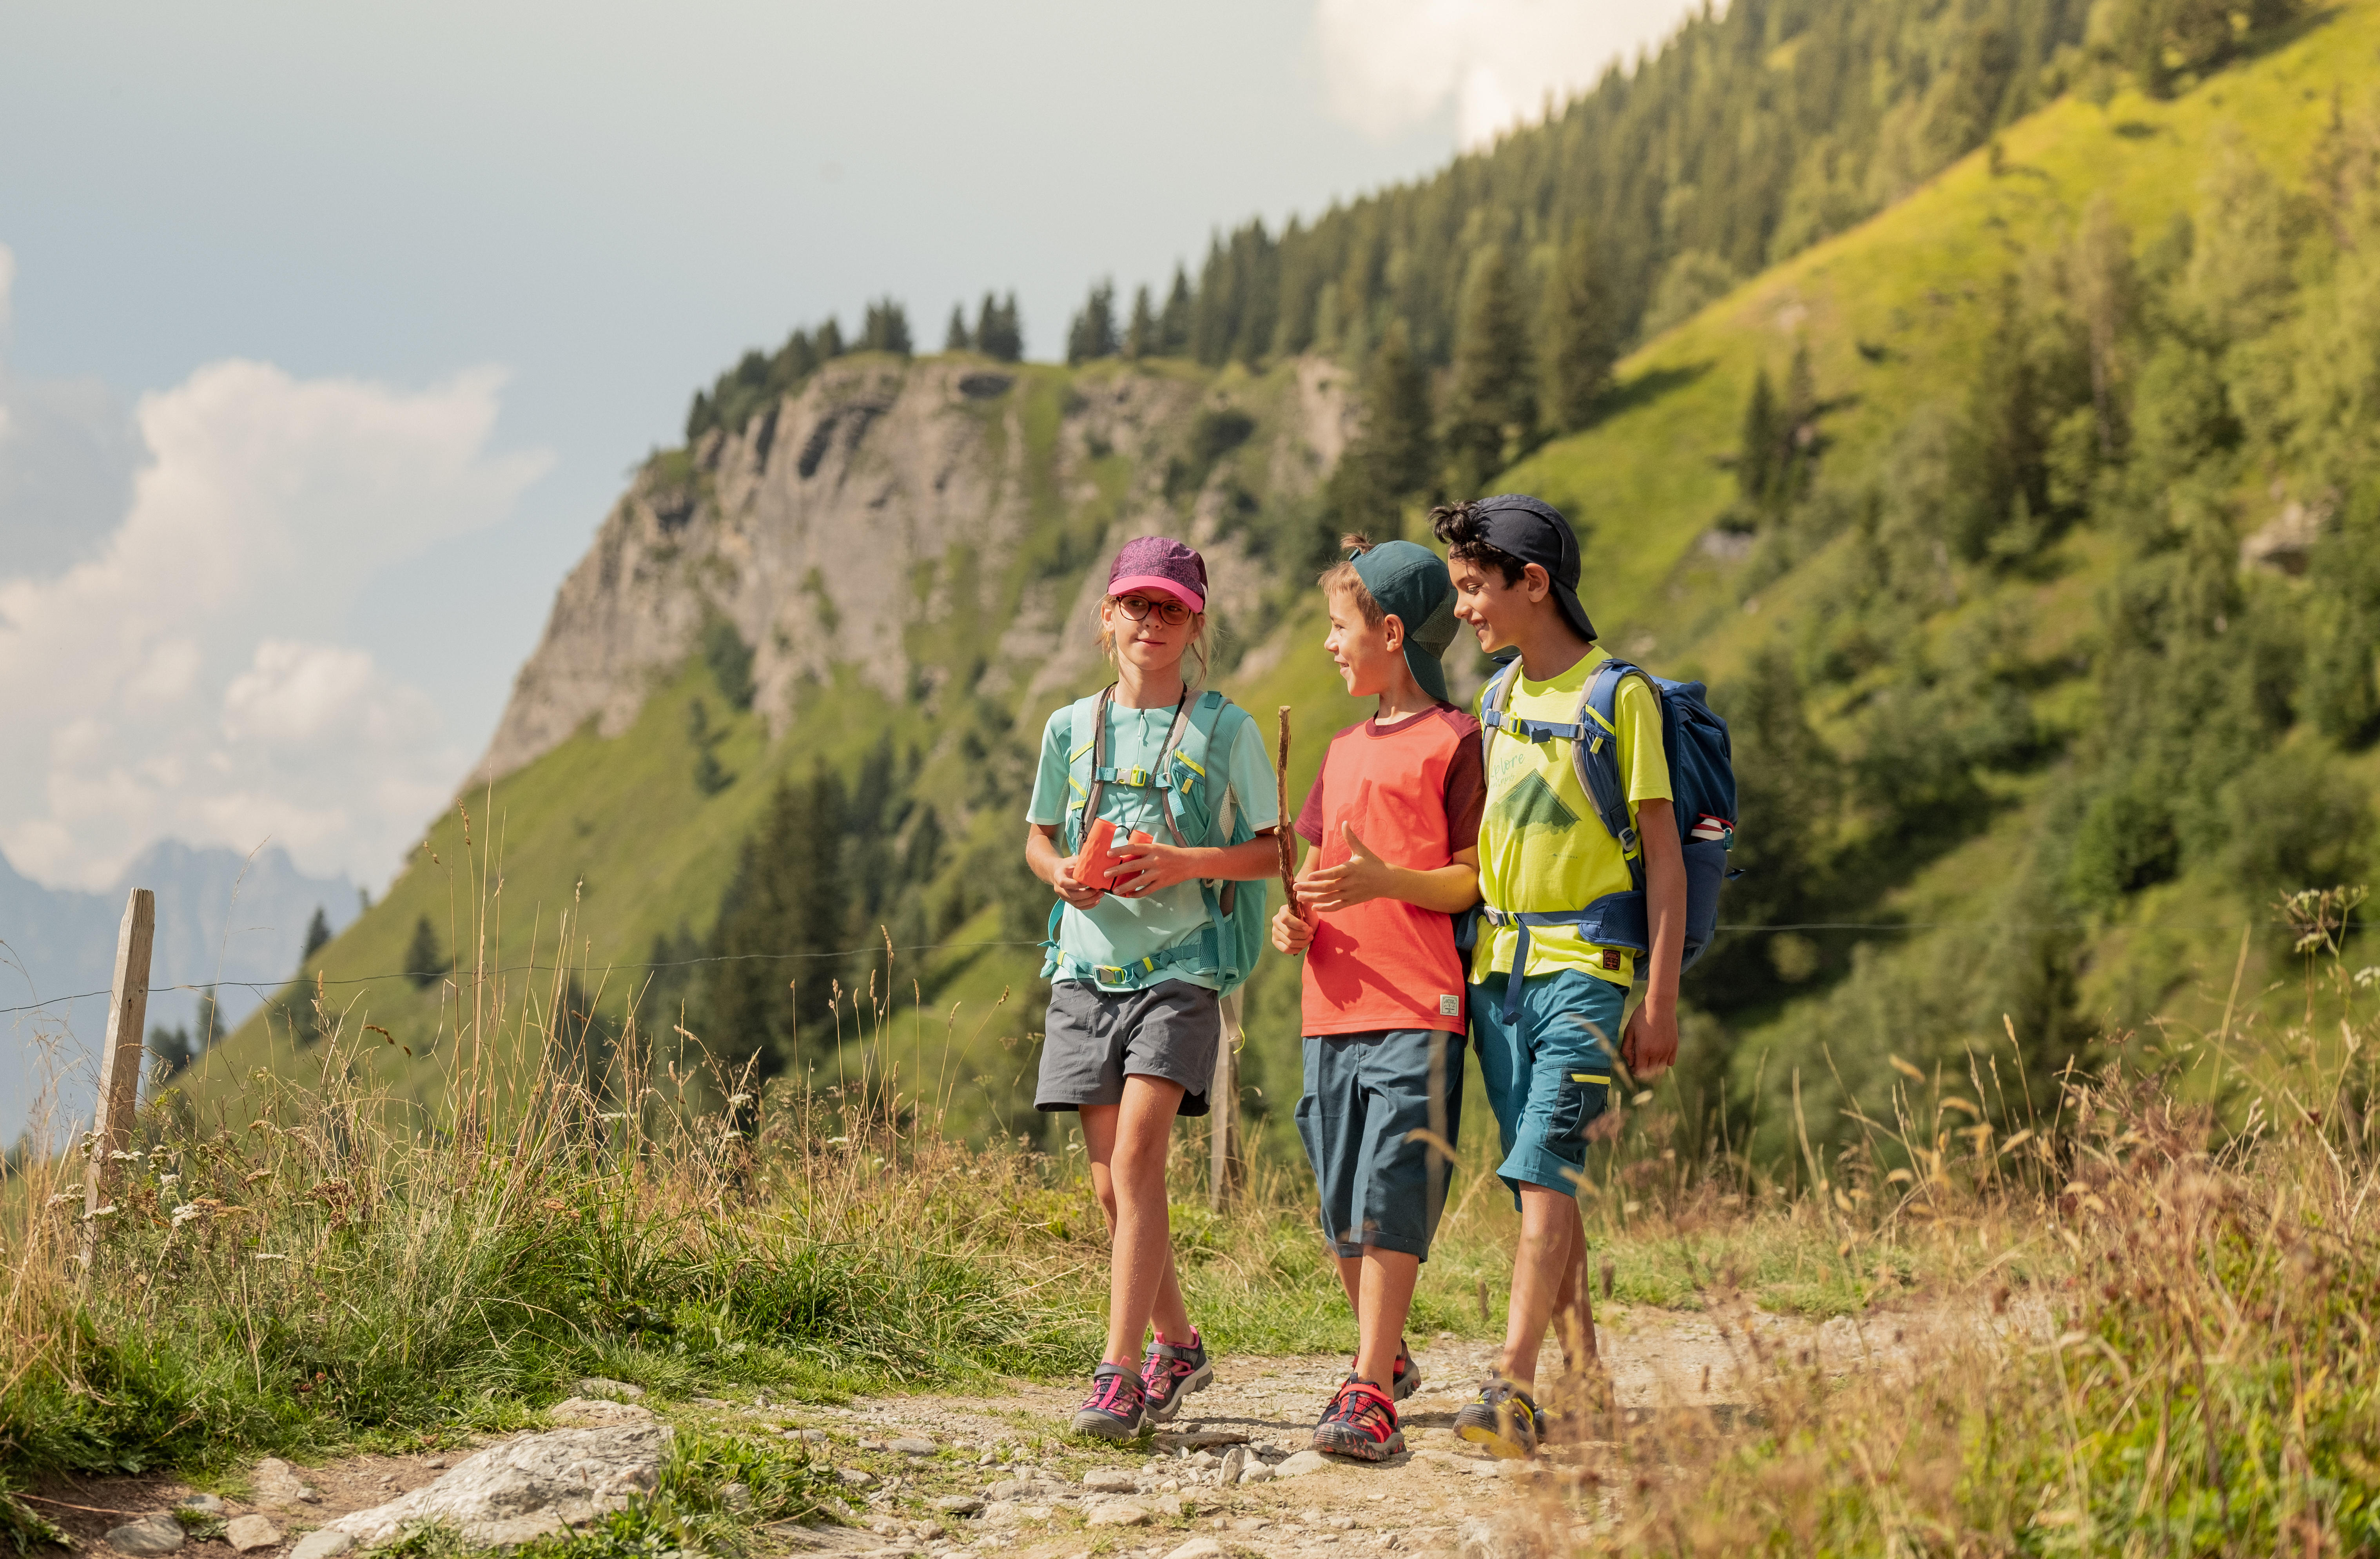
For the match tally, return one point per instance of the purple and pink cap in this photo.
(1158, 563)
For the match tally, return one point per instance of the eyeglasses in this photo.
(1173, 614)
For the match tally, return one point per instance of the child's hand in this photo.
(1650, 1044)
(1072, 892)
(1292, 933)
(1359, 880)
(1144, 866)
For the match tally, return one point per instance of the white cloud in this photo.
(66, 453)
(190, 680)
(1387, 64)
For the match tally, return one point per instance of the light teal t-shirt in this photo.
(1118, 930)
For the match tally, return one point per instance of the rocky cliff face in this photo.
(851, 526)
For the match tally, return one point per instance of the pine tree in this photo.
(1140, 336)
(887, 329)
(318, 936)
(795, 361)
(2101, 269)
(1999, 472)
(1391, 460)
(425, 960)
(1492, 398)
(954, 337)
(1093, 332)
(997, 332)
(1581, 335)
(790, 896)
(205, 1023)
(1760, 446)
(829, 340)
(1173, 324)
(170, 1052)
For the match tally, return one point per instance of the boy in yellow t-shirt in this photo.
(1547, 997)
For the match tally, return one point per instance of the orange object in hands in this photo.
(1096, 864)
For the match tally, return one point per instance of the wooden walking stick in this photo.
(1280, 834)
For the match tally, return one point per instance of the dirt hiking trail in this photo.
(990, 1470)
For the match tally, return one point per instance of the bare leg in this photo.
(1573, 1306)
(1387, 1291)
(1127, 1144)
(1548, 1276)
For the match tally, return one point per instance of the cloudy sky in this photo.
(328, 333)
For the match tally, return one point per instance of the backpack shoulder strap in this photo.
(1597, 758)
(1205, 750)
(1491, 708)
(1086, 757)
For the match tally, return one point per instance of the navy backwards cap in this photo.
(1411, 584)
(1535, 531)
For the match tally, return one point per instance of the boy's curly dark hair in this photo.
(1458, 526)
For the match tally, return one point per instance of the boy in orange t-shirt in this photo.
(1393, 830)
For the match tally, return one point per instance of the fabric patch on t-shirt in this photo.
(1450, 1006)
(1611, 958)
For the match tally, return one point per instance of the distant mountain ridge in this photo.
(222, 918)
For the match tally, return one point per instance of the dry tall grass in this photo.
(2146, 1327)
(2136, 1325)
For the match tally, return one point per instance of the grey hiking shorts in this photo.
(1094, 1038)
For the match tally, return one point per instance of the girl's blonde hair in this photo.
(1200, 645)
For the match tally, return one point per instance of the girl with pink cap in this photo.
(1151, 817)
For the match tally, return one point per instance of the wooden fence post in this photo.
(119, 1062)
(1223, 1105)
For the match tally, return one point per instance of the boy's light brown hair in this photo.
(1341, 575)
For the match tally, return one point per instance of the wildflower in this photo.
(184, 1212)
(2369, 975)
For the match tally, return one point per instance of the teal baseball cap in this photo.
(1412, 585)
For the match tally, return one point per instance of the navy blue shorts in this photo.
(1366, 1095)
(1548, 1075)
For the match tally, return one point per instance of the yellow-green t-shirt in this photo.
(1541, 845)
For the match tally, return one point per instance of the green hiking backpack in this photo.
(1192, 781)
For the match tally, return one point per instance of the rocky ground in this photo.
(990, 1469)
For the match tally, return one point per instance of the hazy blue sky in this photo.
(327, 333)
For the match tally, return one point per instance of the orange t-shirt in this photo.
(1413, 791)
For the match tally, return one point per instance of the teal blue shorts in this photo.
(1549, 1073)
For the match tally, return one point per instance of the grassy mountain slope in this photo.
(1897, 318)
(605, 851)
(1951, 860)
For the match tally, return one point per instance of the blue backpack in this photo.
(1702, 783)
(1198, 808)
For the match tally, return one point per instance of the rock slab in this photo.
(1198, 1548)
(274, 1481)
(151, 1534)
(911, 1446)
(527, 1488)
(1118, 1513)
(205, 1504)
(248, 1532)
(1110, 1480)
(1301, 1464)
(328, 1543)
(595, 1412)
